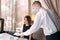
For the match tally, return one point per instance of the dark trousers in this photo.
(55, 36)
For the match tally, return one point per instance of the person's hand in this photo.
(21, 35)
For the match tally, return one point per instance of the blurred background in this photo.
(13, 11)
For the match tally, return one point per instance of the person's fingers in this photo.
(21, 35)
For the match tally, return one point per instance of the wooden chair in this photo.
(39, 35)
(1, 25)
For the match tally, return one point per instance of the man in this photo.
(42, 20)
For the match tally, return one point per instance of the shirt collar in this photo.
(41, 8)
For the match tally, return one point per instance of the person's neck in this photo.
(27, 24)
(40, 8)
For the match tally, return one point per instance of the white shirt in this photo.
(42, 20)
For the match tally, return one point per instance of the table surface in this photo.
(6, 36)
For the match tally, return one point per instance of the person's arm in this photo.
(36, 26)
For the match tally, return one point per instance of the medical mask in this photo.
(35, 10)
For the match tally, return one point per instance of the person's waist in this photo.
(50, 34)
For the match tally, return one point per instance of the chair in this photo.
(1, 25)
(39, 35)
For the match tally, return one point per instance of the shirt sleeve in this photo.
(36, 26)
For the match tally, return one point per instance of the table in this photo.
(6, 36)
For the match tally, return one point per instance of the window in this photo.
(13, 12)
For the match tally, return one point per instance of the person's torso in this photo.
(47, 23)
(25, 28)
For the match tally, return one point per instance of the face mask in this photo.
(35, 10)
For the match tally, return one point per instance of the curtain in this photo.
(13, 12)
(55, 7)
(7, 13)
(0, 8)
